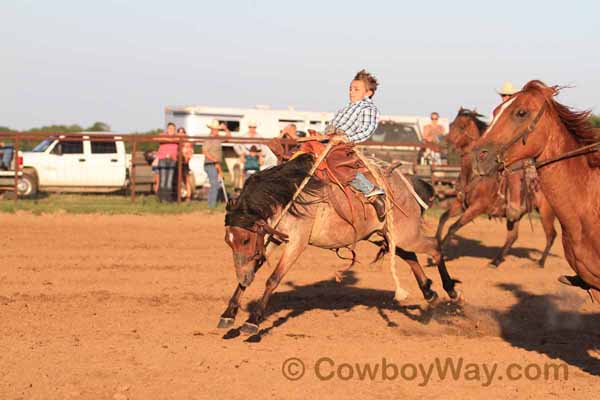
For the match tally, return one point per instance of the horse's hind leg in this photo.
(290, 254)
(430, 247)
(547, 216)
(512, 228)
(422, 279)
(228, 317)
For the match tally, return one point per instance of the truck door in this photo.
(107, 163)
(70, 161)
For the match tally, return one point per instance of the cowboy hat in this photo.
(254, 149)
(507, 89)
(214, 124)
(251, 124)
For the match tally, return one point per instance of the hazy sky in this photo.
(122, 62)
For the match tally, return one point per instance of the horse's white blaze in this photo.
(497, 117)
(230, 237)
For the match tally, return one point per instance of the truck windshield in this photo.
(42, 146)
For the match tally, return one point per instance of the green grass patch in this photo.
(103, 204)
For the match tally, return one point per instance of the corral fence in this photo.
(136, 141)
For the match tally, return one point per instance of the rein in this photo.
(531, 162)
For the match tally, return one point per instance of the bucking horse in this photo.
(325, 216)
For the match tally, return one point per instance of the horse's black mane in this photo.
(264, 191)
(476, 117)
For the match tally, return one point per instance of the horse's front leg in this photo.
(290, 254)
(228, 317)
(512, 234)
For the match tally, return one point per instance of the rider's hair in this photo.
(369, 80)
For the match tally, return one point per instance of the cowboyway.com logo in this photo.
(327, 369)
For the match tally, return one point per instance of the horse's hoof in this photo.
(433, 299)
(249, 329)
(494, 265)
(225, 323)
(458, 298)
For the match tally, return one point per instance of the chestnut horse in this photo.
(315, 220)
(485, 194)
(533, 129)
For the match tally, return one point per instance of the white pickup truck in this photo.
(94, 164)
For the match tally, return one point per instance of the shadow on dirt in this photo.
(462, 247)
(335, 297)
(534, 323)
(537, 324)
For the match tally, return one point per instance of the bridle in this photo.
(522, 136)
(260, 228)
(465, 131)
(532, 162)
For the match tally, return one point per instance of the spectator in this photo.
(253, 160)
(213, 156)
(187, 152)
(7, 154)
(243, 150)
(289, 132)
(167, 162)
(433, 131)
(432, 134)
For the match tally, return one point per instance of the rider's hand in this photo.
(337, 139)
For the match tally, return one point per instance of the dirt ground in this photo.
(126, 307)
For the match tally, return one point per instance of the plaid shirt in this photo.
(357, 120)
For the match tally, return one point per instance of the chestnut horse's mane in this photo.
(576, 122)
(475, 117)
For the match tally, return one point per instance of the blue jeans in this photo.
(7, 152)
(362, 184)
(213, 178)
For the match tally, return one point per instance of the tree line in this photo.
(95, 127)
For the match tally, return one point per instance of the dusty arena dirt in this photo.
(126, 307)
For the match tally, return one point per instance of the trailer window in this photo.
(233, 126)
(104, 147)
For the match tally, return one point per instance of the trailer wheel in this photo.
(27, 186)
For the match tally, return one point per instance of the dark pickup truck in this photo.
(401, 142)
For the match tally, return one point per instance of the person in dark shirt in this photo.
(253, 160)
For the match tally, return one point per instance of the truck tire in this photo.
(27, 186)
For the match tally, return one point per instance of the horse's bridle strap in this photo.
(523, 135)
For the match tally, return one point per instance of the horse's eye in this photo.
(522, 113)
(245, 241)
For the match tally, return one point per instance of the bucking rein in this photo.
(400, 293)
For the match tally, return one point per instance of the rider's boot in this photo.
(376, 199)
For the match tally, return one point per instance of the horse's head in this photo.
(245, 234)
(246, 242)
(517, 130)
(465, 129)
